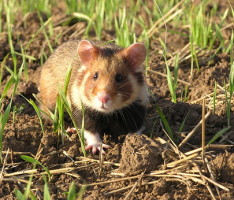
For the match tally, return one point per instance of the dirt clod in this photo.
(224, 165)
(140, 153)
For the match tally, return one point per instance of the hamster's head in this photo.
(110, 77)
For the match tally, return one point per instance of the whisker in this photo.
(124, 84)
(131, 116)
(122, 115)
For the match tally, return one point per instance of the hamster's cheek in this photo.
(117, 102)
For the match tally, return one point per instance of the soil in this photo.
(132, 165)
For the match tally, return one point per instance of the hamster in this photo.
(107, 79)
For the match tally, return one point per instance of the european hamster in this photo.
(107, 79)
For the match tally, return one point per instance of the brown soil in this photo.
(135, 156)
(140, 153)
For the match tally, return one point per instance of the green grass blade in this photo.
(6, 115)
(44, 30)
(171, 85)
(68, 109)
(9, 19)
(46, 192)
(19, 195)
(82, 16)
(30, 160)
(72, 192)
(7, 86)
(231, 80)
(81, 192)
(176, 68)
(33, 104)
(27, 191)
(218, 134)
(3, 120)
(32, 196)
(183, 123)
(34, 161)
(62, 105)
(165, 122)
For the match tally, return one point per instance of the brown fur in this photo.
(106, 81)
(53, 73)
(108, 62)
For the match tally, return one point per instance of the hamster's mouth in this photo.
(103, 107)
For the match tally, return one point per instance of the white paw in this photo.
(97, 147)
(94, 142)
(71, 130)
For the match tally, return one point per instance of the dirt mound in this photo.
(140, 154)
(224, 167)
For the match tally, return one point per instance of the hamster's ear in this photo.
(135, 55)
(87, 52)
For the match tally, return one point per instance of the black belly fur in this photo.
(127, 120)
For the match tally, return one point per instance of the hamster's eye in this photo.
(95, 76)
(118, 78)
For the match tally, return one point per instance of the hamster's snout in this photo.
(103, 97)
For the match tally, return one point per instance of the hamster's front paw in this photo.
(94, 142)
(97, 147)
(71, 130)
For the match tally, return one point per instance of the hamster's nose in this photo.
(103, 97)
